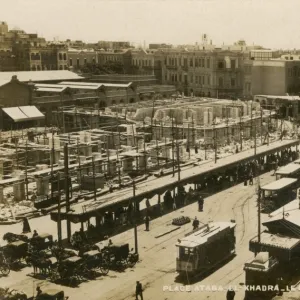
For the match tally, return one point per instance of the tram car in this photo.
(205, 248)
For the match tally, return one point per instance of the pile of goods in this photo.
(181, 221)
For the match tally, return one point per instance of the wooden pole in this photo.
(67, 188)
(59, 231)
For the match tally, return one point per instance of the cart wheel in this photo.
(131, 261)
(4, 269)
(104, 267)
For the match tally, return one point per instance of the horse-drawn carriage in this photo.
(119, 256)
(15, 252)
(41, 242)
(71, 269)
(4, 265)
(95, 260)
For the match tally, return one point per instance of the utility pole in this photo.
(94, 179)
(255, 139)
(59, 231)
(67, 188)
(173, 148)
(157, 151)
(79, 164)
(52, 151)
(188, 141)
(178, 161)
(26, 177)
(215, 144)
(135, 220)
(258, 213)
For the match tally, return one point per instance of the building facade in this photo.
(276, 77)
(204, 73)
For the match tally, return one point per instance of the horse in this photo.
(12, 237)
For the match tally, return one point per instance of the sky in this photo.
(270, 23)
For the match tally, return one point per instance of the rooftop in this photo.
(204, 234)
(278, 241)
(279, 184)
(26, 76)
(288, 169)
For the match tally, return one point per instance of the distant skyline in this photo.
(269, 23)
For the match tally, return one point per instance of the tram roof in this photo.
(279, 184)
(204, 235)
(289, 169)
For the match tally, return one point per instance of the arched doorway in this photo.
(121, 101)
(131, 100)
(113, 102)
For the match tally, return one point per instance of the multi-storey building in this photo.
(142, 62)
(204, 73)
(276, 77)
(80, 58)
(113, 45)
(52, 57)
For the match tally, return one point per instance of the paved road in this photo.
(158, 256)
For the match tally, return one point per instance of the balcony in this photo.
(169, 67)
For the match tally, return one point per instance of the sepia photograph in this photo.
(149, 150)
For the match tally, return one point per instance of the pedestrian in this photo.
(138, 290)
(35, 234)
(147, 222)
(38, 291)
(280, 286)
(26, 227)
(251, 178)
(195, 223)
(109, 242)
(200, 203)
(230, 294)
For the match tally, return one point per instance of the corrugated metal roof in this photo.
(279, 184)
(25, 76)
(288, 169)
(94, 84)
(203, 235)
(277, 241)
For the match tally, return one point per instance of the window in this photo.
(233, 64)
(60, 67)
(85, 61)
(208, 79)
(232, 82)
(208, 63)
(60, 56)
(191, 62)
(170, 61)
(65, 56)
(77, 63)
(220, 65)
(192, 78)
(180, 79)
(71, 63)
(220, 82)
(196, 62)
(65, 67)
(185, 62)
(203, 80)
(94, 61)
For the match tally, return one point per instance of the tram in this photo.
(205, 248)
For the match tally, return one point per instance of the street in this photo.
(156, 270)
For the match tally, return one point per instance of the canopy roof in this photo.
(277, 241)
(289, 169)
(23, 113)
(279, 184)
